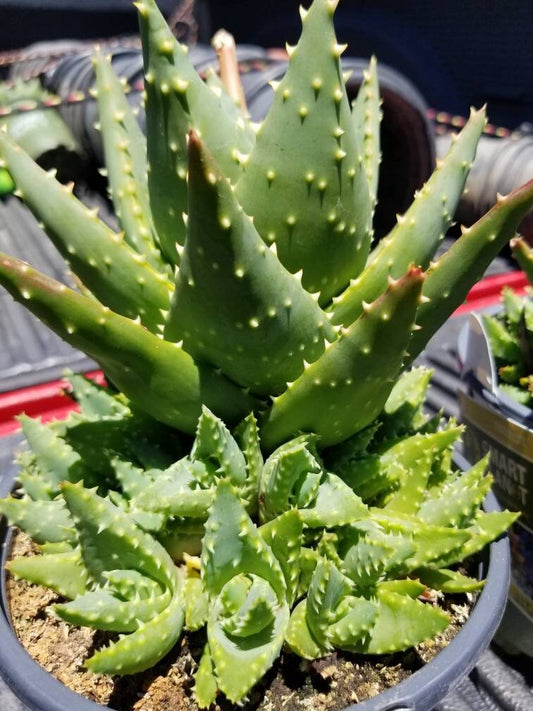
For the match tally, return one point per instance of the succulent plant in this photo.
(308, 551)
(510, 334)
(244, 305)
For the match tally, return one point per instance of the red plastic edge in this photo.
(487, 291)
(49, 401)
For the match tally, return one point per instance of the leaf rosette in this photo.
(249, 589)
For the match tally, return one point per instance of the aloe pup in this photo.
(265, 471)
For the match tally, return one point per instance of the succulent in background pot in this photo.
(265, 472)
(496, 350)
(510, 336)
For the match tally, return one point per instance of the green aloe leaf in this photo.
(293, 195)
(448, 581)
(418, 233)
(456, 503)
(177, 100)
(43, 521)
(111, 541)
(523, 254)
(205, 686)
(401, 623)
(143, 648)
(113, 272)
(55, 459)
(367, 115)
(451, 276)
(63, 572)
(486, 528)
(196, 603)
(330, 398)
(291, 464)
(215, 445)
(502, 342)
(265, 309)
(159, 376)
(103, 610)
(335, 504)
(284, 535)
(96, 401)
(126, 163)
(247, 436)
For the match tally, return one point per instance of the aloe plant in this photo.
(311, 551)
(244, 306)
(510, 334)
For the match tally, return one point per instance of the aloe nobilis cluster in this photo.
(510, 334)
(244, 306)
(305, 550)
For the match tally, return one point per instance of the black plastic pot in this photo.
(40, 691)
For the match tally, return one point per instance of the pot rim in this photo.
(41, 691)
